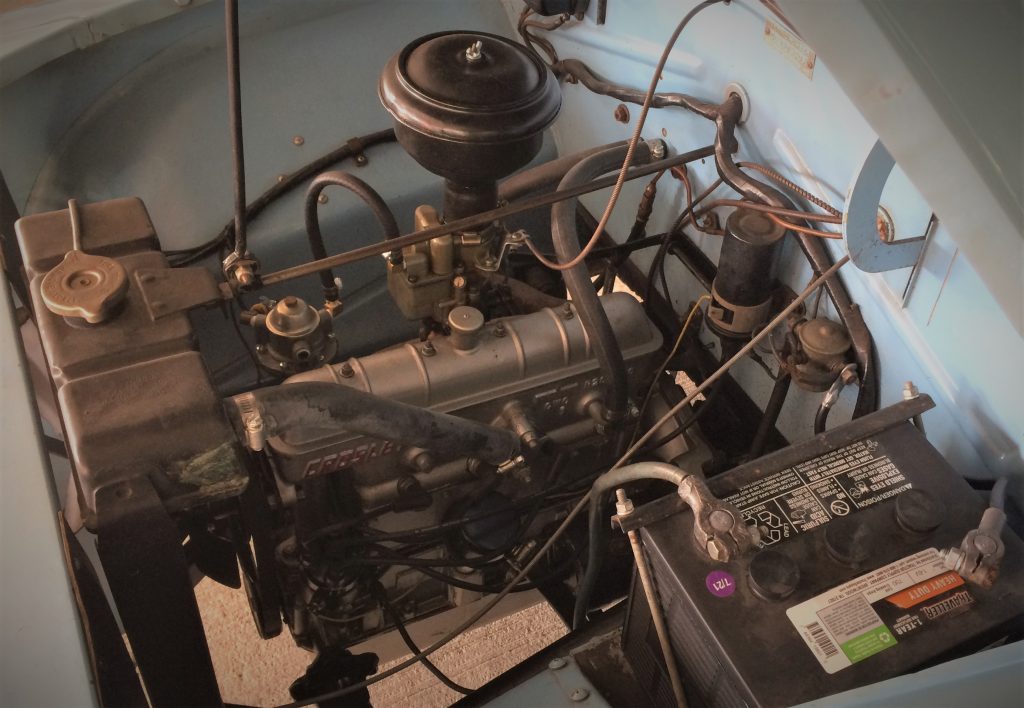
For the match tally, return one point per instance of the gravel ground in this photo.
(257, 673)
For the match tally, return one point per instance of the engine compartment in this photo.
(373, 475)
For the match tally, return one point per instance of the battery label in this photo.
(812, 493)
(870, 614)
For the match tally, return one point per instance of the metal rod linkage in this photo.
(477, 220)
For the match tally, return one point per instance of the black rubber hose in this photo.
(324, 405)
(316, 239)
(598, 522)
(771, 414)
(353, 148)
(566, 241)
(546, 176)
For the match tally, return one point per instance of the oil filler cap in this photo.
(85, 286)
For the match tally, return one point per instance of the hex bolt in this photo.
(721, 520)
(910, 391)
(428, 349)
(567, 311)
(579, 695)
(499, 329)
(346, 370)
(557, 663)
(623, 504)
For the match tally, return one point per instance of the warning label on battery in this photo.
(812, 493)
(874, 612)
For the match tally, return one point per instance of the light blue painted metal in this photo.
(990, 678)
(45, 662)
(554, 688)
(860, 221)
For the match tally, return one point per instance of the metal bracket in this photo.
(168, 291)
(860, 227)
(511, 242)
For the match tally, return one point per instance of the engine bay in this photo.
(514, 391)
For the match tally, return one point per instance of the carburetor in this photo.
(470, 107)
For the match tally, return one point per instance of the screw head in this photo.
(579, 695)
(557, 663)
(621, 113)
(322, 198)
(298, 140)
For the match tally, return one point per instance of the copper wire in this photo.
(804, 229)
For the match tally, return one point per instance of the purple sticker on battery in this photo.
(720, 583)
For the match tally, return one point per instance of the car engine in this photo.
(435, 469)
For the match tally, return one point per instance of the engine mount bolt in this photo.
(579, 695)
(298, 140)
(557, 663)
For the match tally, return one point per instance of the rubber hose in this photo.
(545, 176)
(598, 522)
(316, 239)
(566, 241)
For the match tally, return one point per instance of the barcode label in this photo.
(821, 638)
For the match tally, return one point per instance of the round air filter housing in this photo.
(469, 106)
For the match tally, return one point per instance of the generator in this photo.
(876, 559)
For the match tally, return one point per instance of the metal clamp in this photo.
(718, 526)
(977, 560)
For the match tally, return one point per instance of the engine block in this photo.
(540, 364)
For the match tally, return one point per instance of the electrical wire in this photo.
(285, 184)
(580, 505)
(792, 186)
(804, 229)
(776, 211)
(633, 142)
(530, 39)
(664, 365)
(430, 666)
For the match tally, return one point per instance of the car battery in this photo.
(849, 585)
